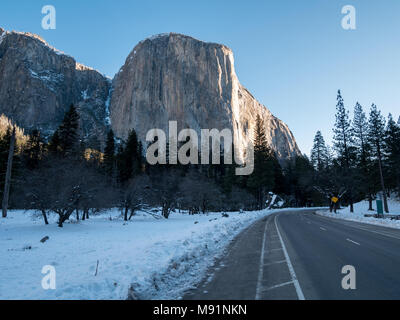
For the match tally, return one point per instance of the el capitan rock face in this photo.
(169, 77)
(39, 83)
(173, 77)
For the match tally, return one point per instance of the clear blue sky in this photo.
(293, 55)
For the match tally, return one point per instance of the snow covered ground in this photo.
(161, 258)
(361, 208)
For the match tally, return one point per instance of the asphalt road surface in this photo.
(300, 255)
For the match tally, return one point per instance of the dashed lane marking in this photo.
(348, 223)
(353, 241)
(296, 283)
(279, 285)
(274, 262)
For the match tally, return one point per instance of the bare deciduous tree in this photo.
(134, 196)
(64, 186)
(199, 194)
(165, 191)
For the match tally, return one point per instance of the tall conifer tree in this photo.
(376, 136)
(261, 180)
(343, 145)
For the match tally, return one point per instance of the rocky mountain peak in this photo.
(173, 77)
(172, 36)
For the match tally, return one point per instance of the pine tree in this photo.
(342, 132)
(68, 132)
(109, 154)
(392, 152)
(228, 175)
(33, 150)
(319, 152)
(130, 159)
(360, 129)
(54, 145)
(363, 151)
(321, 162)
(376, 136)
(280, 185)
(7, 183)
(330, 152)
(299, 174)
(261, 180)
(343, 145)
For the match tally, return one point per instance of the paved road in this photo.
(300, 255)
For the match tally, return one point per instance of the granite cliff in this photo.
(169, 77)
(176, 77)
(38, 84)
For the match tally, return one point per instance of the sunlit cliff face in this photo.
(172, 77)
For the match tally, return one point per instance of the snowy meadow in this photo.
(103, 257)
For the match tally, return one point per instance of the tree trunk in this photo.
(6, 194)
(126, 214)
(64, 216)
(45, 217)
(165, 210)
(60, 222)
(370, 203)
(385, 203)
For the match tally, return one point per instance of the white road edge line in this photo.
(353, 241)
(296, 283)
(261, 268)
(279, 285)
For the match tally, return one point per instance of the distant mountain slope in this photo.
(38, 83)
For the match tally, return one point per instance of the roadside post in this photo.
(379, 205)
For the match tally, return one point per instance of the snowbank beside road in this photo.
(361, 208)
(161, 258)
